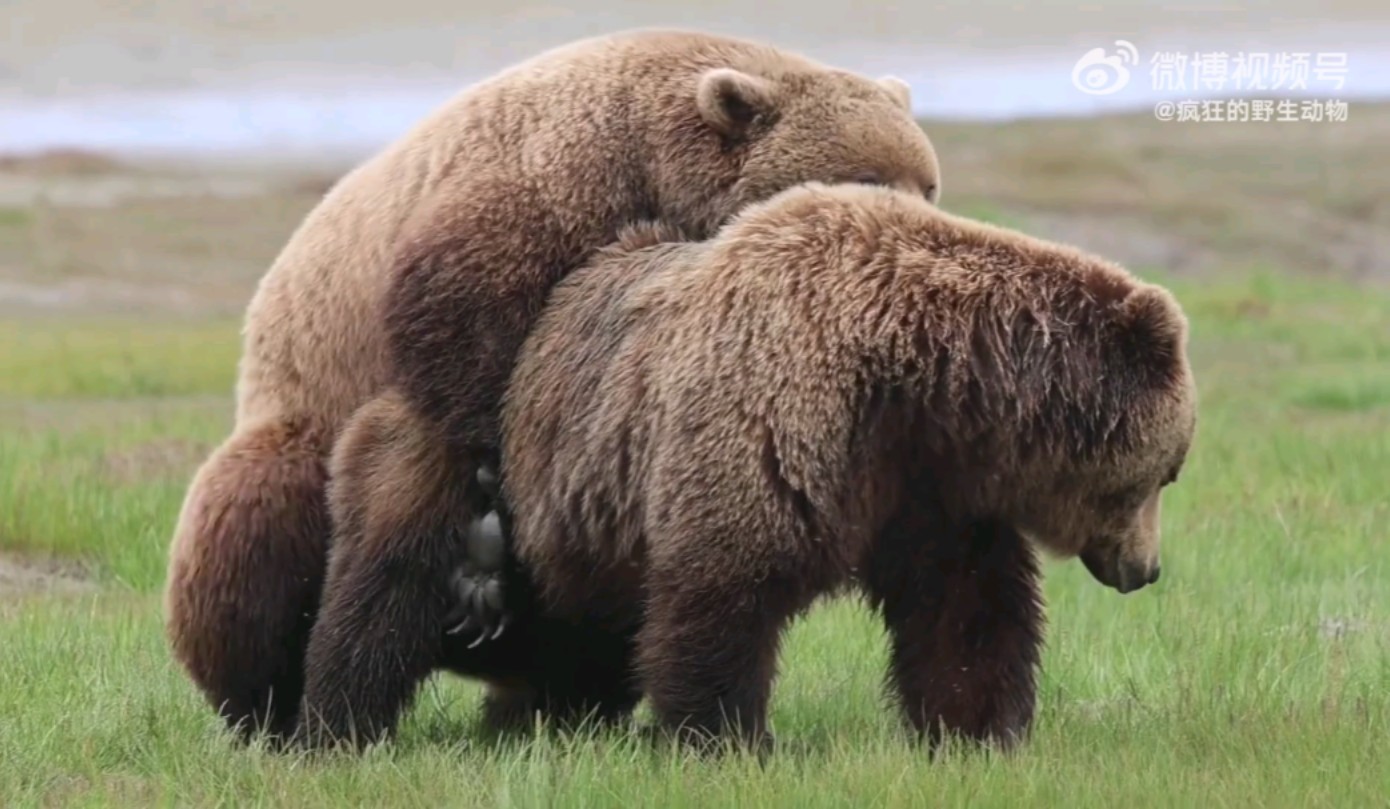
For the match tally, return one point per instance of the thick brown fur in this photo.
(421, 271)
(568, 670)
(246, 578)
(844, 385)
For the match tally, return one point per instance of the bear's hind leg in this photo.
(569, 673)
(707, 652)
(245, 570)
(401, 501)
(591, 702)
(965, 614)
(513, 710)
(583, 675)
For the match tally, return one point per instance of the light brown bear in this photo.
(843, 386)
(403, 298)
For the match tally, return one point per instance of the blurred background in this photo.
(309, 75)
(156, 154)
(113, 116)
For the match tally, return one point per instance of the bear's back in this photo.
(313, 345)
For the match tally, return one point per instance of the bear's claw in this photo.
(477, 583)
(481, 605)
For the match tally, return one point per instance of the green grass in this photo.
(1257, 673)
(15, 217)
(116, 359)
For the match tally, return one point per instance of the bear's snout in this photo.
(1134, 578)
(1123, 574)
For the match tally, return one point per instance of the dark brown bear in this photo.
(424, 267)
(845, 385)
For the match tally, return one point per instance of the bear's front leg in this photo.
(400, 503)
(466, 287)
(966, 619)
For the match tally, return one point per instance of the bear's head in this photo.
(772, 128)
(1125, 437)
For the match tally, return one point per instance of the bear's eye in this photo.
(868, 178)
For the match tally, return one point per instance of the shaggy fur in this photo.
(567, 669)
(424, 267)
(845, 385)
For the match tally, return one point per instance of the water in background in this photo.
(169, 87)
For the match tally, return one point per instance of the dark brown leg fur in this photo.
(459, 305)
(566, 672)
(579, 676)
(509, 708)
(601, 698)
(707, 653)
(400, 501)
(963, 607)
(247, 565)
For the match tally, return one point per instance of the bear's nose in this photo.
(1132, 580)
(1135, 577)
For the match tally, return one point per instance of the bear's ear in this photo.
(1154, 330)
(730, 100)
(899, 90)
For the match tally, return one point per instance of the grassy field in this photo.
(1257, 673)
